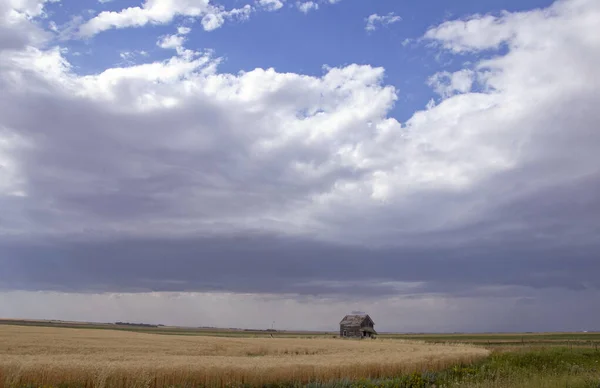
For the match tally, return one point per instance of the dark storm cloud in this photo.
(263, 264)
(525, 228)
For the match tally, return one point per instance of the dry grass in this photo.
(103, 358)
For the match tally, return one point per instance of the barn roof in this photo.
(354, 319)
(369, 330)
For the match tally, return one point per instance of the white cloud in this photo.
(18, 9)
(446, 84)
(239, 13)
(270, 5)
(332, 135)
(175, 41)
(163, 12)
(307, 6)
(129, 56)
(303, 6)
(171, 41)
(477, 33)
(374, 20)
(212, 21)
(126, 55)
(183, 30)
(17, 26)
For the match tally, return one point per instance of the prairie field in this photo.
(47, 356)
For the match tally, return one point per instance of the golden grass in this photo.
(104, 358)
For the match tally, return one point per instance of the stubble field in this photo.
(45, 356)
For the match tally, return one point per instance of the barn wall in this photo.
(351, 331)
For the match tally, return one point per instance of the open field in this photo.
(591, 339)
(527, 367)
(167, 330)
(104, 358)
(46, 354)
(506, 339)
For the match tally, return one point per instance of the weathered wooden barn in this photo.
(357, 326)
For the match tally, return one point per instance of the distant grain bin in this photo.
(357, 326)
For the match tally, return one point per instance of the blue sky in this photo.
(292, 41)
(432, 163)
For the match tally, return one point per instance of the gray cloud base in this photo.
(264, 264)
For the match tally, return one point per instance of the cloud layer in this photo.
(375, 20)
(161, 12)
(175, 176)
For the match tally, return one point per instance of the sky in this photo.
(249, 163)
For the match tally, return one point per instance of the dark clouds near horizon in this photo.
(271, 265)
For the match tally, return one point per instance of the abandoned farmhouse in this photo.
(357, 326)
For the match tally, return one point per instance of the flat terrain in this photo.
(504, 339)
(167, 330)
(59, 354)
(51, 356)
(486, 339)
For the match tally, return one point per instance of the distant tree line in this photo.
(136, 324)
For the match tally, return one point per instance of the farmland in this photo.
(166, 330)
(71, 354)
(53, 356)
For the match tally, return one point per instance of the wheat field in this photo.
(103, 358)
